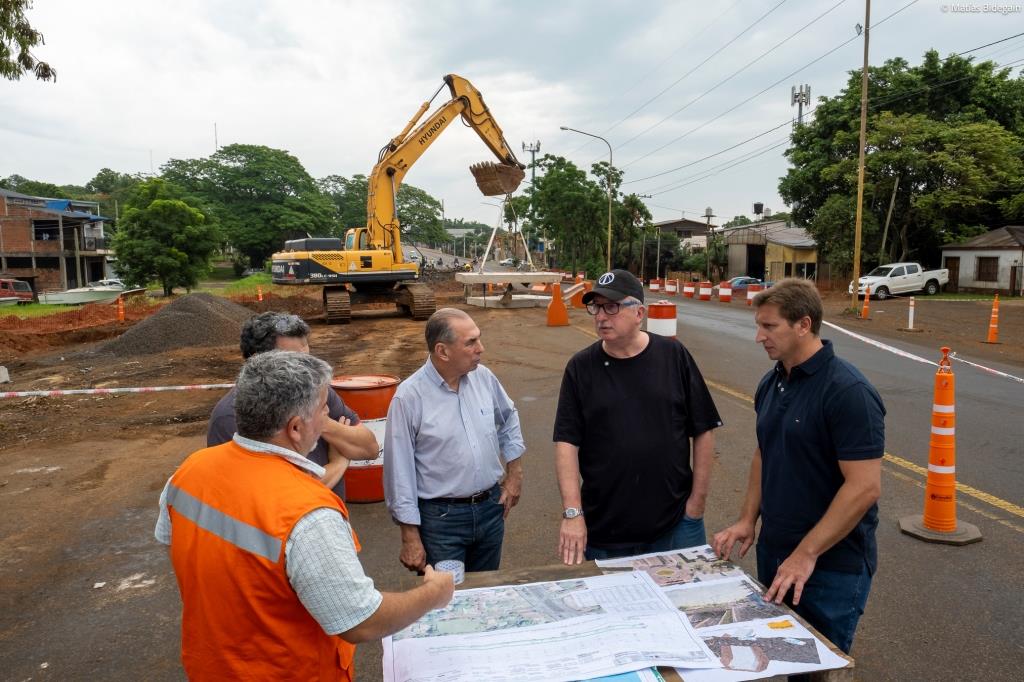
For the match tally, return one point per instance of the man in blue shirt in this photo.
(816, 473)
(452, 432)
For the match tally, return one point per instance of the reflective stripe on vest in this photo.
(238, 533)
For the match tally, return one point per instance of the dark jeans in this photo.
(687, 533)
(832, 601)
(471, 533)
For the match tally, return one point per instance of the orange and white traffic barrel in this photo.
(671, 286)
(688, 289)
(704, 293)
(661, 318)
(725, 291)
(752, 291)
(655, 284)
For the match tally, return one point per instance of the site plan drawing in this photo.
(677, 567)
(765, 648)
(721, 602)
(550, 632)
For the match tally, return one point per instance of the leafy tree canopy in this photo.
(17, 38)
(163, 238)
(260, 196)
(945, 143)
(17, 183)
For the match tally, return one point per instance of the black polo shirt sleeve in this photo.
(569, 415)
(856, 419)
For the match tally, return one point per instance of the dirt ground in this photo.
(73, 470)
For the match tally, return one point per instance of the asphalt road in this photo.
(935, 611)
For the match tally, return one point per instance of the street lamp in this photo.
(709, 214)
(610, 164)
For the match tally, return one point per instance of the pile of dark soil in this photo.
(193, 320)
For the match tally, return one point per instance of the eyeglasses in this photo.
(609, 308)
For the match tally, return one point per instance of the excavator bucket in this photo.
(497, 179)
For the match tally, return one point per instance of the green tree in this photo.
(419, 214)
(17, 38)
(572, 209)
(638, 223)
(260, 196)
(163, 238)
(949, 129)
(18, 183)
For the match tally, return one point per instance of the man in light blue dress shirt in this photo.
(452, 468)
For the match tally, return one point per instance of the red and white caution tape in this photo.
(878, 344)
(107, 391)
(1019, 380)
(911, 356)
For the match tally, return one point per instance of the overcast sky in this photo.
(141, 82)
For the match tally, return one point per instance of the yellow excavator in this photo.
(370, 266)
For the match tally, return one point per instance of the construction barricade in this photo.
(655, 284)
(671, 286)
(370, 395)
(752, 291)
(661, 318)
(558, 314)
(939, 523)
(688, 290)
(704, 293)
(725, 291)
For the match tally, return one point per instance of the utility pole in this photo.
(799, 99)
(533, 148)
(709, 214)
(860, 154)
(216, 146)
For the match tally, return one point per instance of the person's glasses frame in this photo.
(611, 308)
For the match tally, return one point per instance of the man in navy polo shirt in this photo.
(816, 474)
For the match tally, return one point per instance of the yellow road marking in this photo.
(963, 489)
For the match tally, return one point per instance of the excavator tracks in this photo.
(419, 301)
(337, 306)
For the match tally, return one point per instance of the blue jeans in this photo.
(687, 533)
(471, 533)
(832, 601)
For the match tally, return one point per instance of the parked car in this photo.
(413, 256)
(508, 262)
(15, 288)
(901, 278)
(742, 282)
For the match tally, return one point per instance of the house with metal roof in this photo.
(52, 243)
(771, 250)
(989, 263)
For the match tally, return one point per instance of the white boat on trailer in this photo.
(89, 294)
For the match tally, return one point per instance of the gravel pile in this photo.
(193, 320)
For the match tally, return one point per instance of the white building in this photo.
(991, 262)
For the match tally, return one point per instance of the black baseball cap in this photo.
(615, 286)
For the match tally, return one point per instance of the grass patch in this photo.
(33, 310)
(222, 272)
(958, 297)
(247, 285)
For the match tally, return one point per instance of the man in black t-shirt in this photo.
(343, 439)
(628, 409)
(816, 474)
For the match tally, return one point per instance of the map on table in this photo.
(677, 567)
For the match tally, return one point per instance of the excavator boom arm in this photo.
(404, 150)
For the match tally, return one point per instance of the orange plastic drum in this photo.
(369, 395)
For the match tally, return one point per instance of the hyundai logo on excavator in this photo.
(433, 129)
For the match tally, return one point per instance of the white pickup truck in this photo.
(901, 278)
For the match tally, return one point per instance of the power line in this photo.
(980, 47)
(733, 74)
(761, 92)
(681, 78)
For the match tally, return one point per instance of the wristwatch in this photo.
(571, 513)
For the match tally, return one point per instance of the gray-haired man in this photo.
(263, 553)
(343, 439)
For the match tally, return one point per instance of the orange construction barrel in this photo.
(370, 396)
(725, 291)
(661, 318)
(752, 291)
(704, 293)
(688, 289)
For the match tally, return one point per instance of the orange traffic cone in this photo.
(938, 523)
(259, 294)
(558, 315)
(120, 308)
(864, 309)
(993, 323)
